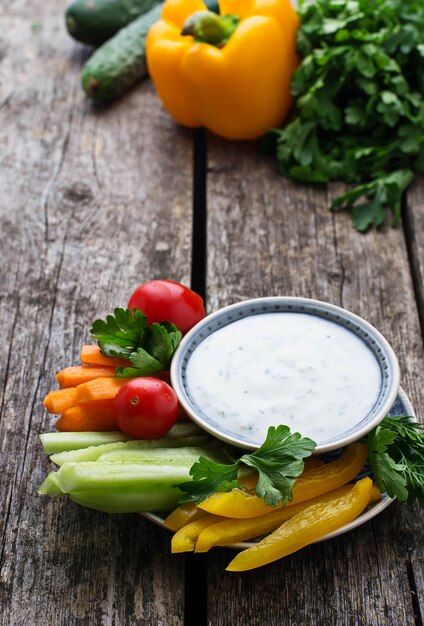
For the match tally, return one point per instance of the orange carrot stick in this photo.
(91, 355)
(98, 389)
(61, 400)
(78, 374)
(91, 416)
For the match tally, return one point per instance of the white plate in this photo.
(402, 406)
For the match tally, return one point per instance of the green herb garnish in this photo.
(279, 462)
(359, 112)
(396, 455)
(125, 334)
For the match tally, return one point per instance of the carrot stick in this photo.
(91, 355)
(78, 374)
(98, 389)
(61, 400)
(91, 416)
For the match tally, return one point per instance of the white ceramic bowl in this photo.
(344, 331)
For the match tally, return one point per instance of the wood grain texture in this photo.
(95, 200)
(91, 205)
(267, 236)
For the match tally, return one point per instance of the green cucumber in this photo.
(162, 456)
(120, 477)
(129, 480)
(95, 21)
(59, 442)
(118, 487)
(121, 62)
(92, 453)
(50, 486)
(161, 502)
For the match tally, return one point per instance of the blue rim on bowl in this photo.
(374, 340)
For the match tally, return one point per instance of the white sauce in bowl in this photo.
(284, 368)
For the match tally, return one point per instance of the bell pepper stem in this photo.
(208, 27)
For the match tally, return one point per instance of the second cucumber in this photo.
(95, 21)
(121, 62)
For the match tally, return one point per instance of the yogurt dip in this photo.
(267, 369)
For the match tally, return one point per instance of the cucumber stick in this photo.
(121, 477)
(124, 477)
(95, 21)
(50, 486)
(165, 456)
(121, 62)
(92, 453)
(59, 442)
(119, 487)
(162, 502)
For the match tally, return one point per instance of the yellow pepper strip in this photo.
(230, 72)
(312, 483)
(305, 527)
(182, 515)
(339, 472)
(235, 530)
(312, 462)
(189, 512)
(375, 495)
(184, 539)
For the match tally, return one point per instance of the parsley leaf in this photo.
(120, 334)
(279, 462)
(358, 114)
(396, 455)
(144, 364)
(125, 334)
(208, 478)
(161, 340)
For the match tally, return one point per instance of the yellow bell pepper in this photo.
(185, 539)
(234, 530)
(230, 73)
(183, 515)
(305, 527)
(312, 483)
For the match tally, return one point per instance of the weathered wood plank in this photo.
(92, 205)
(267, 236)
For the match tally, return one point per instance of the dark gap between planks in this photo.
(414, 595)
(196, 594)
(413, 260)
(198, 250)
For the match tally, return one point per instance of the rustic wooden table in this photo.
(97, 200)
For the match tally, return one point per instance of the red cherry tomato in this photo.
(168, 300)
(146, 407)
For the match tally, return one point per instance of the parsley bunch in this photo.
(396, 455)
(279, 462)
(359, 108)
(125, 334)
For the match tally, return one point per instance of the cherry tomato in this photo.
(146, 407)
(168, 300)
